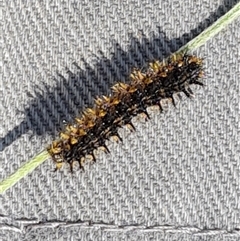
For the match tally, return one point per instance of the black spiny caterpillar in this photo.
(96, 125)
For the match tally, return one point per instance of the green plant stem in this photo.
(211, 31)
(192, 45)
(23, 171)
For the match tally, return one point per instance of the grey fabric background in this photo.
(176, 178)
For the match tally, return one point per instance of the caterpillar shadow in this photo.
(49, 108)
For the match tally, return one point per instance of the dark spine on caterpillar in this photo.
(96, 125)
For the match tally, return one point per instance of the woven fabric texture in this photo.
(176, 178)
